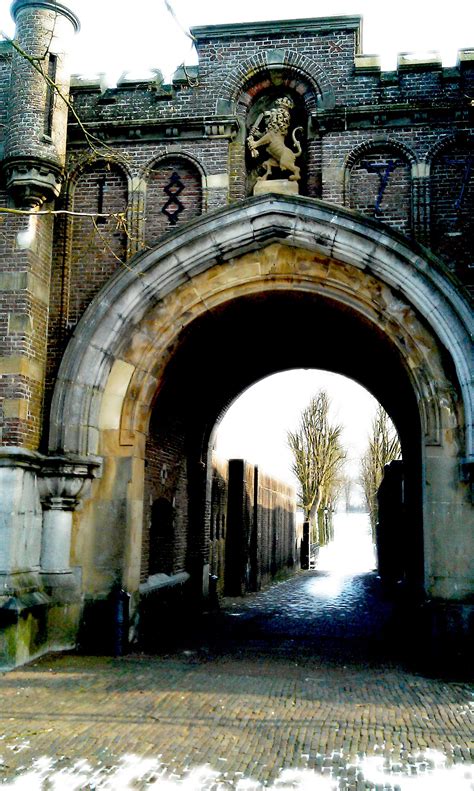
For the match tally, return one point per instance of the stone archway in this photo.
(133, 350)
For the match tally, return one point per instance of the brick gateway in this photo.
(124, 341)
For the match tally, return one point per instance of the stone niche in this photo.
(276, 147)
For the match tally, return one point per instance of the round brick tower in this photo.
(35, 144)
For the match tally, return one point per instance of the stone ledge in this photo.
(251, 29)
(159, 581)
(367, 63)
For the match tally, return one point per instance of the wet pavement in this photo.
(308, 685)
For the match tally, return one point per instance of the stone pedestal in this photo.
(62, 484)
(40, 597)
(280, 186)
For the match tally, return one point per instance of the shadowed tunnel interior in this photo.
(230, 348)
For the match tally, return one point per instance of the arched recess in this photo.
(451, 170)
(88, 248)
(378, 182)
(223, 302)
(306, 77)
(174, 194)
(260, 80)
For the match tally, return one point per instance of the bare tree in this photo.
(318, 459)
(383, 447)
(346, 487)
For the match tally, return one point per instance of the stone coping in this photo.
(421, 60)
(249, 29)
(16, 456)
(159, 581)
(49, 5)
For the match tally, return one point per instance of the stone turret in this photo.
(35, 144)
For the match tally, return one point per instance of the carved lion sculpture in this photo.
(277, 124)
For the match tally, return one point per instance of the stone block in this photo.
(20, 323)
(15, 408)
(278, 186)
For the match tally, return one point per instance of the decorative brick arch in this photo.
(321, 94)
(450, 185)
(167, 155)
(460, 138)
(375, 144)
(82, 162)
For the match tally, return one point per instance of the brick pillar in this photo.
(33, 169)
(421, 202)
(35, 146)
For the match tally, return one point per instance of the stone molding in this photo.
(47, 5)
(15, 456)
(32, 181)
(180, 128)
(63, 483)
(385, 116)
(252, 29)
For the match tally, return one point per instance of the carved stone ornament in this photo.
(63, 482)
(277, 123)
(32, 182)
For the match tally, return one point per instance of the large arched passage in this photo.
(270, 284)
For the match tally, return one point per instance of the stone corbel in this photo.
(31, 181)
(63, 483)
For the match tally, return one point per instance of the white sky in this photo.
(256, 425)
(117, 36)
(122, 36)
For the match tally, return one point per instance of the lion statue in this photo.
(277, 122)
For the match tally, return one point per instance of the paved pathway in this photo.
(297, 687)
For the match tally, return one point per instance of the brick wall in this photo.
(87, 251)
(164, 547)
(5, 74)
(24, 294)
(412, 109)
(218, 521)
(261, 539)
(452, 209)
(276, 528)
(96, 247)
(252, 532)
(380, 186)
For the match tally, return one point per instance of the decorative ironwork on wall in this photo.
(173, 206)
(383, 171)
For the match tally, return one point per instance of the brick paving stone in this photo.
(246, 698)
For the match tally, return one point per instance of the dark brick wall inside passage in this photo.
(252, 531)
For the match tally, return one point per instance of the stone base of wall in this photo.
(166, 611)
(33, 625)
(447, 629)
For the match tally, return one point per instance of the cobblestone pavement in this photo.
(296, 687)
